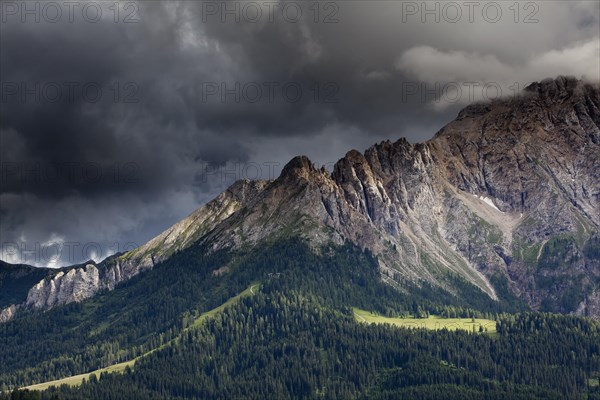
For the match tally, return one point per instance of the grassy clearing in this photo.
(76, 380)
(250, 291)
(433, 322)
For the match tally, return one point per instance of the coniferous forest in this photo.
(295, 336)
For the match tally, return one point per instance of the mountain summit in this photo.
(505, 198)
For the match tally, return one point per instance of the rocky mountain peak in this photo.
(349, 168)
(561, 87)
(298, 167)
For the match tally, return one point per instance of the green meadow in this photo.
(432, 322)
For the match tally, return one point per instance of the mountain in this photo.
(494, 217)
(505, 197)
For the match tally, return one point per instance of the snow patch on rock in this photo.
(489, 202)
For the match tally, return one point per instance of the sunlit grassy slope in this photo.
(432, 322)
(77, 379)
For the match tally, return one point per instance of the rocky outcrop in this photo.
(8, 313)
(590, 307)
(75, 285)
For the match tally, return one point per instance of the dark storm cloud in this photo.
(156, 109)
(191, 99)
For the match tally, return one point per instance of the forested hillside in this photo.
(287, 345)
(296, 337)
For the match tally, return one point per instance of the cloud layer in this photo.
(485, 77)
(113, 128)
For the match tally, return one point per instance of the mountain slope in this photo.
(505, 198)
(48, 288)
(509, 191)
(288, 344)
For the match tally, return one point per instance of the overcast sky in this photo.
(116, 122)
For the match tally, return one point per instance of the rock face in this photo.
(508, 192)
(536, 159)
(8, 313)
(74, 286)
